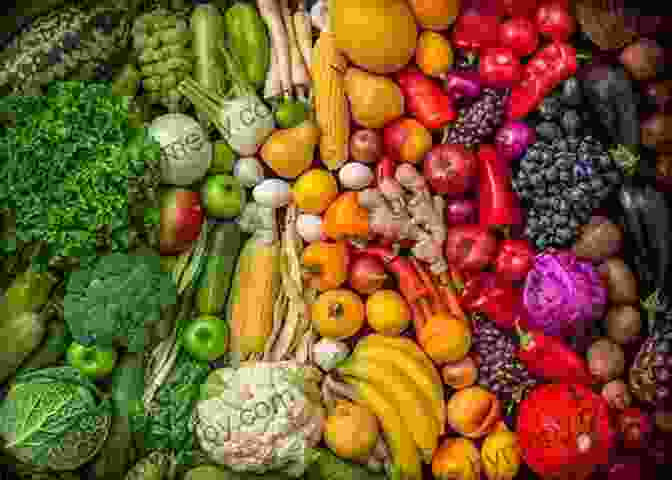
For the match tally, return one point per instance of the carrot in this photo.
(449, 296)
(437, 302)
(270, 12)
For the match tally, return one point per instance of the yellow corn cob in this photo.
(331, 105)
(256, 284)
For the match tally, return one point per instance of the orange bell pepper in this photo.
(325, 264)
(345, 218)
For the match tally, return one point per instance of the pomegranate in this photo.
(450, 169)
(565, 431)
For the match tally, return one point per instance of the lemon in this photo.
(387, 312)
(315, 190)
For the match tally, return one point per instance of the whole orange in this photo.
(338, 313)
(387, 312)
(445, 338)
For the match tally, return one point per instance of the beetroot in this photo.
(565, 431)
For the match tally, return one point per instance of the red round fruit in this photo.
(450, 169)
(555, 21)
(565, 431)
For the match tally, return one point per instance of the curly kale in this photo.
(117, 299)
(72, 168)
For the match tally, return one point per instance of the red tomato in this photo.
(520, 35)
(554, 21)
(518, 8)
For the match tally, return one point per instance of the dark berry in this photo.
(548, 131)
(549, 109)
(571, 92)
(571, 122)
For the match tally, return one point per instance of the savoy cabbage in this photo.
(54, 418)
(115, 300)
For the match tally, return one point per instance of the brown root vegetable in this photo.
(599, 239)
(643, 59)
(617, 395)
(657, 130)
(606, 360)
(624, 323)
(621, 281)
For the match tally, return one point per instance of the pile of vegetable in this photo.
(335, 239)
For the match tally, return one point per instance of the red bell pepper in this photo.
(493, 296)
(514, 260)
(518, 8)
(551, 65)
(425, 99)
(549, 358)
(520, 35)
(474, 31)
(498, 206)
(499, 67)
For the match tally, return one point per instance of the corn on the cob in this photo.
(256, 284)
(331, 105)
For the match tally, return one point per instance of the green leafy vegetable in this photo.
(71, 166)
(328, 466)
(115, 300)
(170, 425)
(54, 417)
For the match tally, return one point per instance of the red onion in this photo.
(460, 211)
(512, 140)
(462, 86)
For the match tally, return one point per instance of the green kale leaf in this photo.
(69, 167)
(114, 301)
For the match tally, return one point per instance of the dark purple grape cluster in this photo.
(479, 121)
(499, 370)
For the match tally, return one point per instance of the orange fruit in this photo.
(387, 312)
(435, 14)
(445, 338)
(338, 313)
(314, 191)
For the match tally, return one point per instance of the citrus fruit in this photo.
(315, 190)
(387, 312)
(338, 313)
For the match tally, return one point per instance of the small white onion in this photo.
(309, 227)
(328, 353)
(273, 192)
(249, 171)
(355, 176)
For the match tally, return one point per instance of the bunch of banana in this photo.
(399, 383)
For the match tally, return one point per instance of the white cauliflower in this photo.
(260, 417)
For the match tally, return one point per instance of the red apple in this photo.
(470, 247)
(450, 169)
(407, 140)
(367, 274)
(181, 220)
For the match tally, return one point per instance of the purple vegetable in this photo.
(460, 211)
(563, 295)
(513, 138)
(462, 86)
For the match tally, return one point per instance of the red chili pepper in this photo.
(498, 206)
(550, 359)
(474, 31)
(385, 168)
(499, 67)
(551, 65)
(514, 260)
(410, 284)
(493, 296)
(520, 35)
(425, 99)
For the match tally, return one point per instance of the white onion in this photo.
(355, 176)
(273, 192)
(309, 227)
(327, 353)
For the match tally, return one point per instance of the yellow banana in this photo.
(415, 408)
(412, 361)
(404, 452)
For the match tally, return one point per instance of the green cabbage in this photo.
(54, 418)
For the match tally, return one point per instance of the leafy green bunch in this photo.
(69, 166)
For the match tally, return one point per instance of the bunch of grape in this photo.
(479, 121)
(499, 371)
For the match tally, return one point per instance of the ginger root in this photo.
(403, 208)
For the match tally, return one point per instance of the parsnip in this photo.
(300, 78)
(271, 14)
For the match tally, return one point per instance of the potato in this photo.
(621, 281)
(624, 322)
(606, 360)
(599, 239)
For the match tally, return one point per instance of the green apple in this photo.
(223, 196)
(93, 362)
(206, 338)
